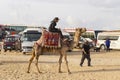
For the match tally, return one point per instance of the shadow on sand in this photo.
(99, 70)
(48, 62)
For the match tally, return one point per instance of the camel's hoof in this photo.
(60, 72)
(69, 73)
(28, 72)
(39, 72)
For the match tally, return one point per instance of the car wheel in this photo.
(69, 50)
(102, 47)
(10, 50)
(24, 53)
(5, 50)
(20, 50)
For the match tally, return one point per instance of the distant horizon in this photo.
(61, 28)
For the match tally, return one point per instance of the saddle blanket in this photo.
(51, 39)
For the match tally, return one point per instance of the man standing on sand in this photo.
(107, 43)
(86, 53)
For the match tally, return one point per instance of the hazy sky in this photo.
(93, 14)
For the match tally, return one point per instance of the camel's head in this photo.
(83, 30)
(80, 30)
(77, 35)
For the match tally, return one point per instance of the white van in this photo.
(114, 38)
(28, 38)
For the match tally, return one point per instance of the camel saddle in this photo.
(51, 40)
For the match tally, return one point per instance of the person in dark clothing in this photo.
(107, 43)
(52, 26)
(85, 53)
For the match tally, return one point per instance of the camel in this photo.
(62, 51)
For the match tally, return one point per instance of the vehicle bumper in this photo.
(9, 47)
(26, 50)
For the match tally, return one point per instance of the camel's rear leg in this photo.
(36, 63)
(65, 57)
(30, 61)
(60, 62)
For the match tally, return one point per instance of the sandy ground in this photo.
(106, 66)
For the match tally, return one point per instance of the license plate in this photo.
(8, 47)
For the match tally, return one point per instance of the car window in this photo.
(31, 37)
(10, 39)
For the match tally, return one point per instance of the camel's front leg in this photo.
(36, 62)
(60, 61)
(30, 61)
(65, 57)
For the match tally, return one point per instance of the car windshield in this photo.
(31, 36)
(9, 39)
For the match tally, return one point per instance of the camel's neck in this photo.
(77, 37)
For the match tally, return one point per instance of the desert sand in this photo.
(105, 66)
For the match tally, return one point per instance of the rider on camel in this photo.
(51, 29)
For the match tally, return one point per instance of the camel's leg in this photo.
(65, 57)
(37, 54)
(60, 62)
(31, 59)
(36, 63)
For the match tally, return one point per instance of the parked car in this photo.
(12, 42)
(83, 40)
